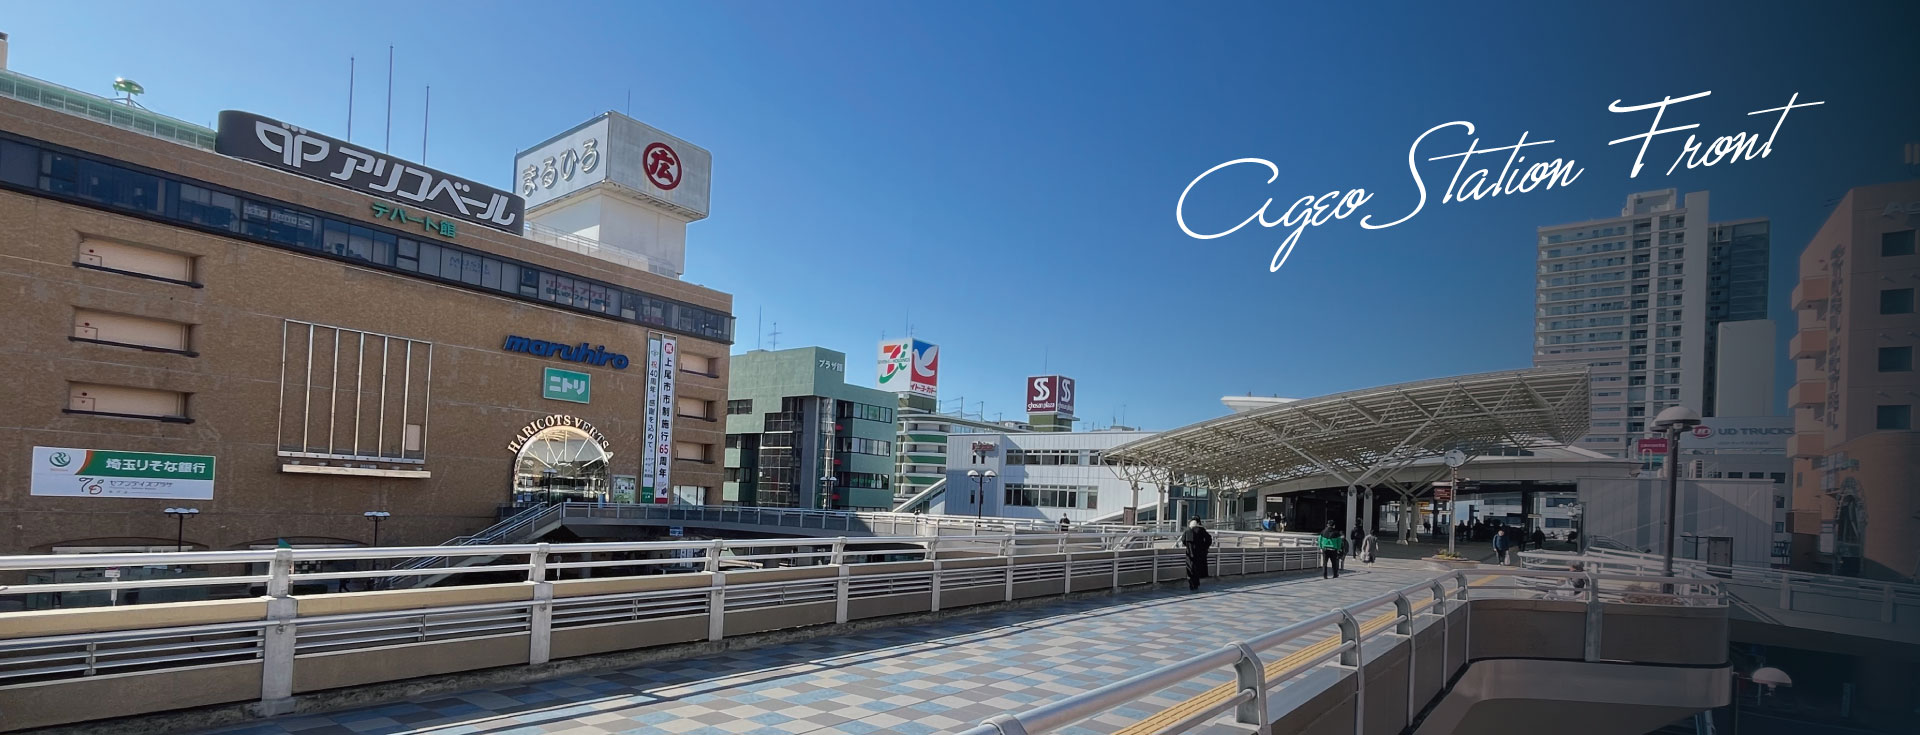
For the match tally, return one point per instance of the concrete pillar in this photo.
(1353, 494)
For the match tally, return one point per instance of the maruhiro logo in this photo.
(662, 165)
(59, 459)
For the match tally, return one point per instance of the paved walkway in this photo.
(917, 679)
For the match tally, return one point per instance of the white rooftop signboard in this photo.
(668, 172)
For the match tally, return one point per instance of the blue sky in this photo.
(1007, 173)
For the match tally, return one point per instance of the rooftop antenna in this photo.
(388, 146)
(350, 63)
(1046, 355)
(759, 320)
(629, 102)
(773, 337)
(425, 117)
(128, 88)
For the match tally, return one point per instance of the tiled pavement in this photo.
(931, 678)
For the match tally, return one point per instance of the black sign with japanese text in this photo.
(270, 142)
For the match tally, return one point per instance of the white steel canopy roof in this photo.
(1361, 436)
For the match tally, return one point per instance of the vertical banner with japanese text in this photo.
(663, 452)
(647, 488)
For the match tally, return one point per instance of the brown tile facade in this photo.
(480, 395)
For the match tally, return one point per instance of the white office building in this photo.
(1046, 475)
(1639, 298)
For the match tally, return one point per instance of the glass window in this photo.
(1896, 301)
(359, 243)
(1894, 244)
(1893, 418)
(334, 237)
(430, 259)
(1896, 359)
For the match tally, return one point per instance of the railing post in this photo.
(1066, 569)
(1404, 606)
(278, 638)
(934, 599)
(1446, 632)
(1595, 616)
(717, 594)
(1116, 570)
(1786, 593)
(1006, 551)
(540, 614)
(1350, 634)
(1251, 674)
(843, 586)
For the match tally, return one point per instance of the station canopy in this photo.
(1362, 436)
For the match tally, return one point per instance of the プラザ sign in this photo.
(103, 473)
(269, 142)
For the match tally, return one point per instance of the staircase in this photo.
(533, 522)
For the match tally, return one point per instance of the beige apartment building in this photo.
(284, 355)
(1856, 479)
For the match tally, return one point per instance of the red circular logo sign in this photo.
(1702, 432)
(662, 165)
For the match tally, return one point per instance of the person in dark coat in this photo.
(1539, 539)
(1197, 541)
(1502, 543)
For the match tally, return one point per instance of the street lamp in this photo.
(980, 490)
(180, 528)
(1673, 421)
(376, 516)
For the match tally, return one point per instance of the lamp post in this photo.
(1673, 421)
(376, 516)
(180, 516)
(980, 490)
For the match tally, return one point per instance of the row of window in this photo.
(43, 170)
(1052, 496)
(857, 445)
(740, 407)
(851, 410)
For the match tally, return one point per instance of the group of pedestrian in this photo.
(1335, 548)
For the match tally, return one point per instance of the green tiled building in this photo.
(799, 436)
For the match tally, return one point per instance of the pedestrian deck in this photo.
(924, 678)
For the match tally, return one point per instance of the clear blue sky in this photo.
(1008, 172)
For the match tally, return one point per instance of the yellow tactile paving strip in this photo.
(1220, 693)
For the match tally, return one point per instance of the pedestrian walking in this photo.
(1501, 543)
(1064, 523)
(1197, 541)
(1539, 540)
(1330, 547)
(1353, 549)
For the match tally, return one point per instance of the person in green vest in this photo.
(1331, 545)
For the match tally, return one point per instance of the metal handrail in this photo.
(1254, 682)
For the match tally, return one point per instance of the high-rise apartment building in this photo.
(1639, 299)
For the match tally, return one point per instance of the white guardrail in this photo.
(1388, 614)
(997, 562)
(1820, 594)
(877, 523)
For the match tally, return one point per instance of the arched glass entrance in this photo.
(558, 464)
